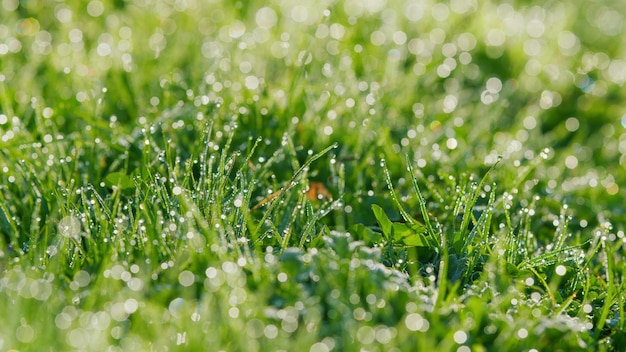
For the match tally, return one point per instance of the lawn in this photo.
(353, 175)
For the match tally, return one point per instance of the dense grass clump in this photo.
(312, 176)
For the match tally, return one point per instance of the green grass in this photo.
(156, 159)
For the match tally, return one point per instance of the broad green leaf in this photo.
(318, 240)
(511, 269)
(363, 233)
(411, 235)
(119, 179)
(383, 221)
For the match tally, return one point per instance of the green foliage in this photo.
(262, 176)
(400, 234)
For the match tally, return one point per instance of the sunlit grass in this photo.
(312, 176)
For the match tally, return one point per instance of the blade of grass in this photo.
(394, 196)
(292, 182)
(422, 203)
(611, 294)
(474, 194)
(545, 285)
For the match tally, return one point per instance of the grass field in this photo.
(315, 176)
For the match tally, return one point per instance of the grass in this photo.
(241, 176)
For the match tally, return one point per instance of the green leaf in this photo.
(383, 221)
(511, 269)
(318, 240)
(516, 272)
(363, 233)
(410, 235)
(399, 234)
(119, 179)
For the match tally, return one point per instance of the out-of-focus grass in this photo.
(156, 161)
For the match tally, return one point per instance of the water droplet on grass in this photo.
(460, 337)
(69, 226)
